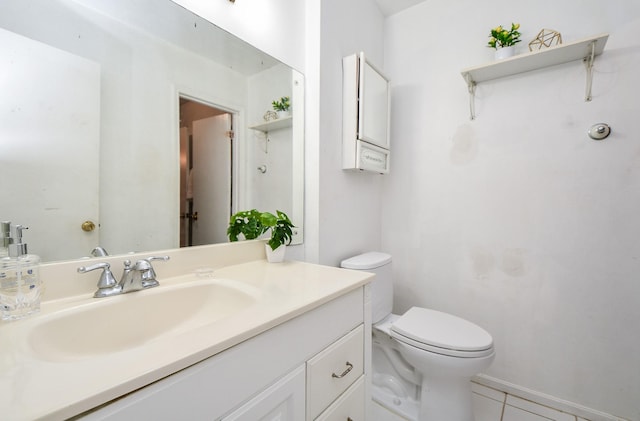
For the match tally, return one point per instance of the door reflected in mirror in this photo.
(206, 162)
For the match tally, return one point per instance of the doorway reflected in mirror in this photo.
(206, 166)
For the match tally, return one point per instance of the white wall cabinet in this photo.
(267, 377)
(365, 116)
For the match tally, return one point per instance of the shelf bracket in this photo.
(588, 62)
(471, 86)
(266, 143)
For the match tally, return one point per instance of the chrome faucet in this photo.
(135, 277)
(139, 276)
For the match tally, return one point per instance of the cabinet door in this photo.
(349, 406)
(283, 401)
(373, 105)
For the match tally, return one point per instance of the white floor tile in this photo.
(542, 411)
(488, 392)
(492, 405)
(486, 409)
(380, 413)
(511, 413)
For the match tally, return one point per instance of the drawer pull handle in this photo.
(344, 373)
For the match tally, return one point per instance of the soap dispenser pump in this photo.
(20, 287)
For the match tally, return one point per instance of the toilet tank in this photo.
(382, 284)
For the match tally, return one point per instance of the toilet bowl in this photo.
(423, 360)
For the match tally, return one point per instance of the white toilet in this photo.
(423, 360)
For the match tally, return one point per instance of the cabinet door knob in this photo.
(344, 373)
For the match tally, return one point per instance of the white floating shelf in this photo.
(586, 49)
(534, 60)
(268, 126)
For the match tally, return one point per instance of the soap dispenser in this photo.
(20, 286)
(5, 238)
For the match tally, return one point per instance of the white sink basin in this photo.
(113, 324)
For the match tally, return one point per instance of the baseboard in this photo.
(544, 399)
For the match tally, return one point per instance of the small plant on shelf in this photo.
(253, 223)
(501, 37)
(281, 104)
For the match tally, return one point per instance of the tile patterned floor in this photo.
(492, 405)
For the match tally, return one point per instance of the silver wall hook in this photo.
(599, 131)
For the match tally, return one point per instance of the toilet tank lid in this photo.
(365, 261)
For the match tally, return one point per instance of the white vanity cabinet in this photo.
(329, 395)
(284, 373)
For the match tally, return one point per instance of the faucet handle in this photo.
(147, 273)
(107, 284)
(145, 264)
(148, 261)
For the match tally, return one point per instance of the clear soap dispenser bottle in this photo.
(20, 286)
(5, 238)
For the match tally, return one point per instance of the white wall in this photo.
(349, 205)
(518, 221)
(139, 184)
(271, 190)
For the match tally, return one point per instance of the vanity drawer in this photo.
(349, 406)
(333, 370)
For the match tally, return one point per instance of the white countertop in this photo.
(34, 388)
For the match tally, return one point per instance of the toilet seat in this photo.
(442, 333)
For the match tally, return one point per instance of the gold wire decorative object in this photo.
(270, 115)
(546, 38)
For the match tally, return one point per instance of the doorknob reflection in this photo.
(88, 226)
(191, 216)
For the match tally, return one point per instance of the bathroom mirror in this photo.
(97, 126)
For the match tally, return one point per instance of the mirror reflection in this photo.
(142, 120)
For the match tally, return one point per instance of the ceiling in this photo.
(390, 7)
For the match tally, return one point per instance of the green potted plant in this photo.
(282, 106)
(504, 41)
(253, 223)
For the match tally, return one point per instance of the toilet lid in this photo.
(441, 332)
